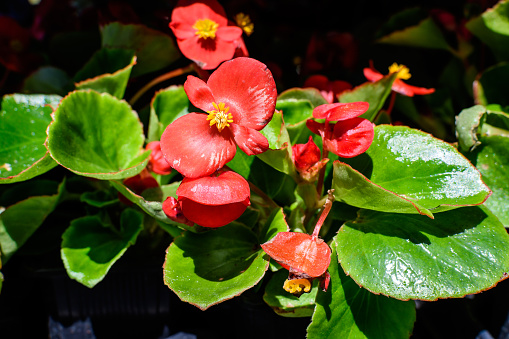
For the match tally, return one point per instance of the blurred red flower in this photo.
(203, 34)
(403, 73)
(240, 99)
(349, 137)
(15, 53)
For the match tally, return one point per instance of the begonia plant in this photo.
(334, 201)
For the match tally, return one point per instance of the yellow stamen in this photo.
(402, 70)
(244, 22)
(220, 116)
(206, 28)
(297, 286)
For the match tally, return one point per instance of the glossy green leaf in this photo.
(154, 50)
(492, 160)
(348, 311)
(286, 304)
(97, 135)
(375, 93)
(89, 248)
(279, 155)
(107, 71)
(408, 171)
(497, 123)
(206, 269)
(48, 80)
(423, 33)
(23, 124)
(467, 126)
(19, 221)
(167, 105)
(491, 30)
(405, 256)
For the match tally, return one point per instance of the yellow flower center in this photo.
(206, 28)
(297, 286)
(402, 70)
(220, 116)
(244, 22)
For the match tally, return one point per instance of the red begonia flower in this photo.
(215, 200)
(305, 256)
(240, 99)
(15, 53)
(157, 162)
(398, 85)
(173, 210)
(351, 135)
(328, 89)
(202, 32)
(306, 158)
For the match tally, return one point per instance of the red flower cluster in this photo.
(240, 99)
(203, 32)
(328, 89)
(351, 135)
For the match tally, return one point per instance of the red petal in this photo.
(409, 90)
(172, 209)
(305, 155)
(351, 137)
(250, 141)
(226, 187)
(189, 11)
(372, 74)
(316, 127)
(157, 162)
(340, 111)
(182, 30)
(247, 87)
(207, 53)
(299, 251)
(194, 148)
(213, 216)
(229, 33)
(199, 93)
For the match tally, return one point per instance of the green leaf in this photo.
(167, 105)
(206, 269)
(48, 80)
(99, 199)
(346, 310)
(286, 304)
(275, 184)
(107, 71)
(460, 252)
(424, 33)
(492, 160)
(375, 93)
(467, 126)
(96, 135)
(275, 223)
(23, 124)
(89, 248)
(489, 87)
(297, 106)
(279, 156)
(401, 161)
(154, 50)
(19, 221)
(491, 30)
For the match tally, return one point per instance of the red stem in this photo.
(326, 209)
